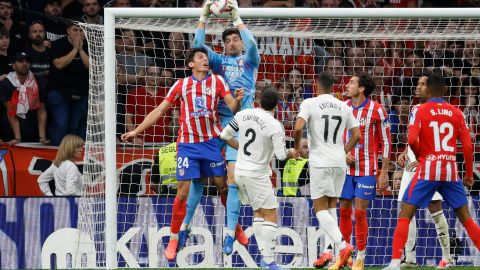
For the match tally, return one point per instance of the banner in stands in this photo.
(28, 224)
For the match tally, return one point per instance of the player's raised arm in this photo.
(149, 121)
(199, 40)
(251, 47)
(235, 103)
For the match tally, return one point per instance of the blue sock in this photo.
(194, 196)
(233, 207)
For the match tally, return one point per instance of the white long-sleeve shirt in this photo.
(260, 136)
(68, 179)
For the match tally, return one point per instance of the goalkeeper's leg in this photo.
(178, 214)
(194, 196)
(441, 225)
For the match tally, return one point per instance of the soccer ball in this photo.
(218, 7)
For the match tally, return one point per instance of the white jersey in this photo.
(410, 155)
(327, 119)
(260, 136)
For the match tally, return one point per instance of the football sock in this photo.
(361, 229)
(328, 241)
(473, 231)
(330, 227)
(346, 223)
(441, 225)
(233, 208)
(269, 235)
(410, 245)
(257, 230)
(400, 238)
(194, 196)
(178, 213)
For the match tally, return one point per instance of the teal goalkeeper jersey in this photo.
(239, 71)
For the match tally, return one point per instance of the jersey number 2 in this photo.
(445, 128)
(250, 141)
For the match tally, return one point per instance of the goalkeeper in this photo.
(240, 72)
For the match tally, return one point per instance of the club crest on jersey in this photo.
(181, 172)
(199, 104)
(208, 91)
(364, 120)
(240, 62)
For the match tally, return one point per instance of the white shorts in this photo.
(257, 192)
(406, 179)
(326, 182)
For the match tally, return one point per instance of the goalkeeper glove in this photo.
(205, 11)
(234, 14)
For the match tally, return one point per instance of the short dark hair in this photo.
(269, 98)
(325, 81)
(436, 84)
(4, 32)
(366, 82)
(191, 54)
(230, 31)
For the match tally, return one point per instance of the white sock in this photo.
(331, 228)
(231, 233)
(410, 246)
(173, 236)
(184, 227)
(329, 246)
(441, 225)
(395, 262)
(257, 231)
(360, 255)
(269, 237)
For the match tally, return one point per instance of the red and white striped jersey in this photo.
(375, 130)
(199, 119)
(433, 138)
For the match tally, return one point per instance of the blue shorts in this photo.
(420, 192)
(196, 160)
(363, 187)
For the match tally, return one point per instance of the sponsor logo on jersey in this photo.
(360, 185)
(213, 164)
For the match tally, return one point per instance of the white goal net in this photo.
(150, 56)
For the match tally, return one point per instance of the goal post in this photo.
(102, 164)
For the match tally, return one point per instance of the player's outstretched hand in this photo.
(234, 14)
(468, 181)
(401, 159)
(205, 11)
(382, 183)
(412, 166)
(239, 94)
(128, 136)
(350, 159)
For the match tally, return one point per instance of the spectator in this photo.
(25, 103)
(174, 55)
(131, 61)
(312, 3)
(301, 90)
(329, 3)
(470, 104)
(259, 86)
(72, 9)
(469, 65)
(14, 28)
(4, 55)
(156, 3)
(398, 118)
(356, 61)
(91, 12)
(278, 3)
(39, 53)
(144, 99)
(397, 180)
(436, 56)
(336, 68)
(67, 86)
(295, 174)
(412, 71)
(287, 108)
(54, 27)
(68, 181)
(374, 52)
(118, 3)
(382, 92)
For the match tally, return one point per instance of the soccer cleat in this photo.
(274, 266)
(349, 262)
(228, 245)
(336, 265)
(445, 264)
(183, 237)
(345, 254)
(406, 264)
(392, 266)
(324, 260)
(171, 251)
(359, 264)
(240, 235)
